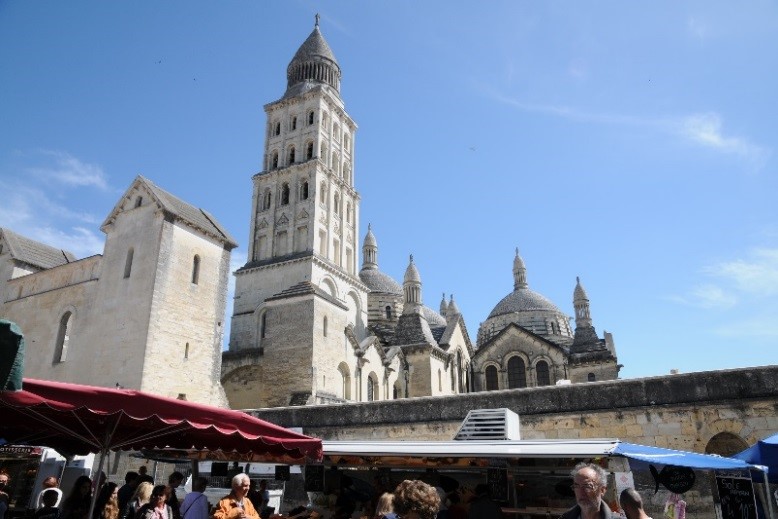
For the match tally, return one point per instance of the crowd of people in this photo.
(140, 498)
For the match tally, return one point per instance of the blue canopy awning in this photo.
(661, 456)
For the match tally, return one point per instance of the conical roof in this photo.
(313, 63)
(411, 273)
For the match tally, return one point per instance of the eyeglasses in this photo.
(587, 486)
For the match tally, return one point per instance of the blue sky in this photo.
(630, 144)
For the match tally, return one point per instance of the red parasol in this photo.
(78, 419)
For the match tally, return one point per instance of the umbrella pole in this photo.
(103, 453)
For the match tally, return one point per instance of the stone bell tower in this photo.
(298, 298)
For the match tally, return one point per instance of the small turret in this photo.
(581, 304)
(412, 288)
(453, 309)
(443, 306)
(519, 272)
(369, 250)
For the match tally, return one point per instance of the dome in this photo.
(313, 63)
(377, 281)
(523, 300)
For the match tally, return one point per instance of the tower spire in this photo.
(581, 303)
(412, 288)
(317, 20)
(519, 272)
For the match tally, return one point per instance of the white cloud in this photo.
(704, 129)
(42, 202)
(71, 171)
(706, 296)
(80, 241)
(737, 282)
(757, 275)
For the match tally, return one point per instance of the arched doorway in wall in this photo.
(725, 444)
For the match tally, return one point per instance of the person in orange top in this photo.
(237, 505)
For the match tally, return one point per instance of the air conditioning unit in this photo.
(490, 424)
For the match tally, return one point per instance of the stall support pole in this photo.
(770, 512)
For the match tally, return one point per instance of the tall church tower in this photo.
(298, 301)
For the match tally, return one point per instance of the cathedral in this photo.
(308, 328)
(310, 324)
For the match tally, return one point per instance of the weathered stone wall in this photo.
(181, 354)
(676, 411)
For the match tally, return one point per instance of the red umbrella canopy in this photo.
(78, 419)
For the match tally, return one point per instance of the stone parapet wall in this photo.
(678, 411)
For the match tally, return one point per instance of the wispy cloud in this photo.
(706, 129)
(754, 277)
(80, 241)
(41, 201)
(703, 129)
(69, 170)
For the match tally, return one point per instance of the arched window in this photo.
(388, 310)
(290, 160)
(268, 199)
(277, 129)
(541, 369)
(346, 379)
(310, 118)
(293, 123)
(323, 193)
(63, 338)
(285, 194)
(186, 351)
(139, 201)
(336, 204)
(348, 212)
(517, 374)
(196, 269)
(309, 151)
(324, 326)
(304, 190)
(128, 263)
(274, 160)
(372, 387)
(263, 325)
(491, 378)
(346, 141)
(347, 173)
(591, 377)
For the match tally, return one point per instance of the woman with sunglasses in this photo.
(157, 507)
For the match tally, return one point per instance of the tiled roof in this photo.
(413, 329)
(306, 288)
(35, 253)
(377, 281)
(189, 213)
